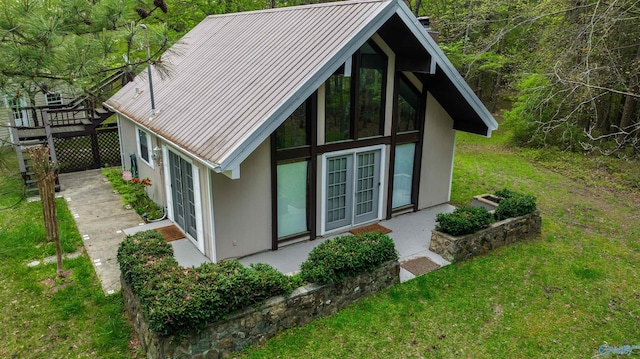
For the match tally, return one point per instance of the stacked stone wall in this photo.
(457, 248)
(258, 323)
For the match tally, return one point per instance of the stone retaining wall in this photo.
(501, 233)
(258, 323)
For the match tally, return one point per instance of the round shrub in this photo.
(345, 256)
(463, 220)
(516, 205)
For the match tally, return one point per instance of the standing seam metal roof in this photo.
(238, 76)
(235, 70)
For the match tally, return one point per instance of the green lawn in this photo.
(75, 322)
(561, 295)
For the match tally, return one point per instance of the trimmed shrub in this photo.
(177, 300)
(463, 220)
(505, 193)
(515, 205)
(345, 256)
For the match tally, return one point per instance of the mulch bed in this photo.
(419, 266)
(171, 233)
(376, 228)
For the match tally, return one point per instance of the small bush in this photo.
(505, 193)
(515, 205)
(463, 220)
(177, 300)
(342, 257)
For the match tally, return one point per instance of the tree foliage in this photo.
(572, 66)
(69, 46)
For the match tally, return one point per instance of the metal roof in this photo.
(238, 76)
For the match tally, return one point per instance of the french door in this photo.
(352, 190)
(183, 194)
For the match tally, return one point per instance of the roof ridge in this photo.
(298, 7)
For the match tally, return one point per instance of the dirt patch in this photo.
(419, 266)
(52, 285)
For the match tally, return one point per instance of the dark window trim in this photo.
(354, 113)
(308, 153)
(356, 92)
(416, 137)
(347, 145)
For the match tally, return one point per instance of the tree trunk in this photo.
(45, 172)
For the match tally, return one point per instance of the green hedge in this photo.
(177, 300)
(468, 219)
(514, 204)
(463, 220)
(342, 257)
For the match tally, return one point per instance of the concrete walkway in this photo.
(101, 219)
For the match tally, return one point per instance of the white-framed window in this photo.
(53, 98)
(17, 106)
(143, 140)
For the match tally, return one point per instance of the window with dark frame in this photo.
(371, 91)
(338, 107)
(354, 106)
(408, 106)
(294, 130)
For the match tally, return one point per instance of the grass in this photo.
(561, 295)
(77, 321)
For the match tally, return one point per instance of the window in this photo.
(53, 98)
(403, 174)
(373, 66)
(17, 106)
(338, 108)
(364, 117)
(294, 130)
(144, 147)
(292, 198)
(408, 106)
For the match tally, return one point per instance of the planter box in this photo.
(256, 324)
(510, 230)
(488, 201)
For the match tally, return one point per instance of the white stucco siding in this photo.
(128, 139)
(242, 207)
(437, 156)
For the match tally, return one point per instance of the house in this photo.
(64, 118)
(287, 124)
(19, 107)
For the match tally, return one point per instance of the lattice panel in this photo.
(78, 154)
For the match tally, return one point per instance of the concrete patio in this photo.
(410, 232)
(103, 223)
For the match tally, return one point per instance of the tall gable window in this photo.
(371, 89)
(338, 107)
(294, 131)
(408, 106)
(354, 105)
